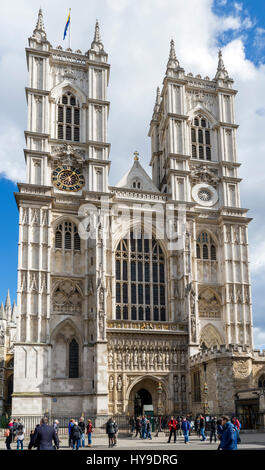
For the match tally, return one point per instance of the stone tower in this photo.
(194, 161)
(60, 276)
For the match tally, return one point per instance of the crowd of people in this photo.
(46, 437)
(225, 430)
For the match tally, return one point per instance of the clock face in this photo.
(67, 178)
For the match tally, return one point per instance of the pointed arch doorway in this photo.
(142, 397)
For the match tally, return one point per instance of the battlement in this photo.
(225, 350)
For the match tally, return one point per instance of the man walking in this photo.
(44, 435)
(229, 435)
(172, 424)
(81, 424)
(202, 428)
(185, 426)
(213, 429)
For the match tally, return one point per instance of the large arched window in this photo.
(68, 118)
(205, 247)
(73, 360)
(140, 279)
(201, 139)
(67, 237)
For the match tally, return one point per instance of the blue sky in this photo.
(136, 35)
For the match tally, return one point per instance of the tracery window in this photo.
(205, 247)
(67, 237)
(140, 279)
(200, 139)
(68, 118)
(73, 359)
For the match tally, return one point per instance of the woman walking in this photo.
(89, 430)
(110, 430)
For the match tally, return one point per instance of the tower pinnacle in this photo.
(39, 31)
(172, 60)
(97, 44)
(221, 70)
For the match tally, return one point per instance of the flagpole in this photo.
(70, 29)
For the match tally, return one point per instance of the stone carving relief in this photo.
(241, 369)
(204, 174)
(67, 297)
(145, 355)
(209, 305)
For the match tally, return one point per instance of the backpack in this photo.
(20, 427)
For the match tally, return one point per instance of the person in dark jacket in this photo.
(202, 428)
(219, 431)
(14, 430)
(138, 427)
(82, 426)
(76, 433)
(8, 436)
(44, 435)
(229, 435)
(213, 429)
(31, 439)
(110, 430)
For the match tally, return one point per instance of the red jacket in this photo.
(172, 424)
(236, 423)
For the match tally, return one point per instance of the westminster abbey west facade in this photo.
(138, 293)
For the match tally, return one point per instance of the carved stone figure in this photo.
(111, 383)
(119, 384)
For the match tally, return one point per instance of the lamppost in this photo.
(205, 401)
(205, 392)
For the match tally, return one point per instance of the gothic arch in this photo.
(68, 322)
(148, 228)
(65, 86)
(209, 304)
(210, 336)
(61, 338)
(145, 377)
(199, 231)
(64, 218)
(199, 109)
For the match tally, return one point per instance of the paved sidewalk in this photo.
(252, 441)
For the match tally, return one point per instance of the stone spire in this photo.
(173, 62)
(39, 31)
(157, 103)
(8, 301)
(14, 310)
(97, 44)
(2, 312)
(221, 70)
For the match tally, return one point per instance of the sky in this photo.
(136, 36)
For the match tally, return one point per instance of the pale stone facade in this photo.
(102, 318)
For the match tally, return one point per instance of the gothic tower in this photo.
(194, 161)
(61, 338)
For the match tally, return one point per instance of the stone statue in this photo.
(111, 383)
(119, 384)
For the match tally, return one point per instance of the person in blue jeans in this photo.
(148, 430)
(202, 428)
(185, 426)
(143, 427)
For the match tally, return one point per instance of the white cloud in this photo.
(259, 338)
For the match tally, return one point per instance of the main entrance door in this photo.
(142, 397)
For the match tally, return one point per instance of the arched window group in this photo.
(68, 118)
(140, 279)
(201, 139)
(136, 184)
(205, 247)
(67, 237)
